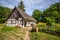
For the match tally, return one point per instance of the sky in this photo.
(30, 5)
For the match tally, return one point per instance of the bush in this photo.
(49, 21)
(2, 20)
(54, 29)
(41, 26)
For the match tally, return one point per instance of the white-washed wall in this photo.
(19, 22)
(9, 22)
(29, 23)
(34, 23)
(14, 23)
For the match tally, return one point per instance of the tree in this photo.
(53, 11)
(36, 14)
(21, 6)
(4, 12)
(49, 21)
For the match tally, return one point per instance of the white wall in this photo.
(29, 23)
(14, 23)
(19, 23)
(34, 23)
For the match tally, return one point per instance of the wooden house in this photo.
(19, 18)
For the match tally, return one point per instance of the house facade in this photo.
(18, 18)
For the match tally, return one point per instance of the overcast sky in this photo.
(30, 5)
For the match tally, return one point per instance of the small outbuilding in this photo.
(19, 18)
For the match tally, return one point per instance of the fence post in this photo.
(36, 29)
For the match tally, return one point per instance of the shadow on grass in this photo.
(51, 33)
(33, 31)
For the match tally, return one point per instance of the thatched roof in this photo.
(23, 14)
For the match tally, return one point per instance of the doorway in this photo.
(25, 23)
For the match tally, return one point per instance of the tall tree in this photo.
(21, 6)
(36, 14)
(53, 11)
(4, 12)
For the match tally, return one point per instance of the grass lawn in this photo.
(11, 33)
(43, 36)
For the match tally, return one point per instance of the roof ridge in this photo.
(24, 15)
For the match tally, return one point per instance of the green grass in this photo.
(8, 29)
(11, 33)
(43, 36)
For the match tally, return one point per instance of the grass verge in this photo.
(43, 36)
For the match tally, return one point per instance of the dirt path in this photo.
(27, 37)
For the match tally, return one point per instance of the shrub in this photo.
(41, 26)
(49, 21)
(56, 25)
(53, 29)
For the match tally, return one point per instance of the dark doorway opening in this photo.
(25, 23)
